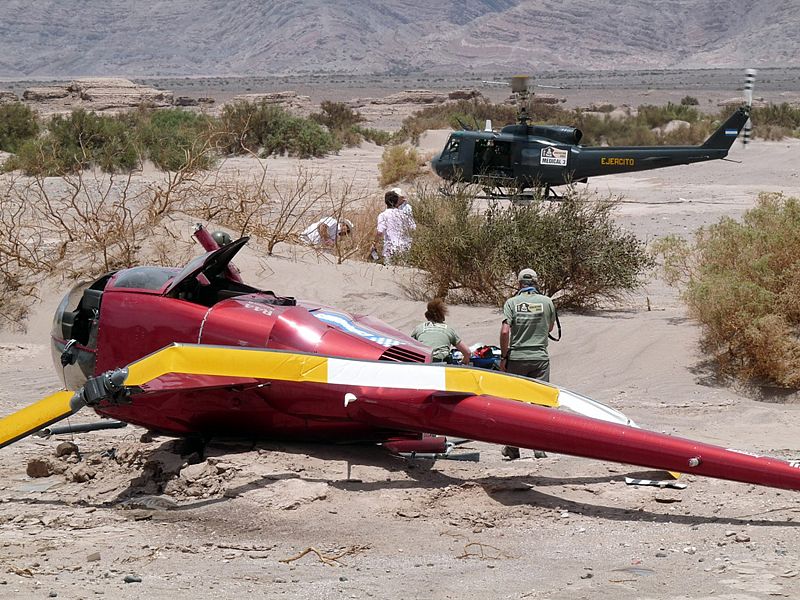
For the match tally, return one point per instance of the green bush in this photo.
(376, 136)
(173, 137)
(658, 116)
(253, 127)
(17, 125)
(336, 115)
(341, 120)
(398, 163)
(775, 121)
(574, 244)
(690, 101)
(77, 141)
(741, 281)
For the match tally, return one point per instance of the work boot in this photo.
(510, 452)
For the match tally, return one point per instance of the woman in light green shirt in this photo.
(439, 335)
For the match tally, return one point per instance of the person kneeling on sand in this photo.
(439, 335)
(326, 231)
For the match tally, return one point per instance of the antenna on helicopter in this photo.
(749, 79)
(519, 87)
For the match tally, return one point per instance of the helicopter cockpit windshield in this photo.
(450, 151)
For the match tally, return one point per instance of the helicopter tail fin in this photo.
(723, 138)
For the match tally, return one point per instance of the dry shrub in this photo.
(741, 281)
(398, 163)
(79, 226)
(276, 211)
(269, 210)
(471, 255)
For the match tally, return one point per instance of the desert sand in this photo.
(560, 527)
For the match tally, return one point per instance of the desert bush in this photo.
(17, 125)
(658, 116)
(341, 121)
(376, 136)
(337, 115)
(247, 127)
(77, 141)
(580, 253)
(470, 112)
(79, 226)
(170, 138)
(741, 281)
(690, 101)
(775, 121)
(398, 163)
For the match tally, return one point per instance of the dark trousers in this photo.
(537, 369)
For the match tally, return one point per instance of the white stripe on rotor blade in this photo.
(412, 376)
(591, 408)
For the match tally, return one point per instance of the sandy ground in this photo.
(559, 527)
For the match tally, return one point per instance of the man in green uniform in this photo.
(528, 320)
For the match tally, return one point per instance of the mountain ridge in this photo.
(204, 37)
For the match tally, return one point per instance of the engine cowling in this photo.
(558, 133)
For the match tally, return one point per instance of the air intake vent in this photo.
(401, 354)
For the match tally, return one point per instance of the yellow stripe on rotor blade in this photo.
(280, 365)
(493, 383)
(34, 417)
(231, 362)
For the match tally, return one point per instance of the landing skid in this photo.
(515, 195)
(521, 196)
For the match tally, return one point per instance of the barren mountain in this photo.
(253, 37)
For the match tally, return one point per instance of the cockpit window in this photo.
(451, 149)
(144, 278)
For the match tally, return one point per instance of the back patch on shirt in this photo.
(536, 308)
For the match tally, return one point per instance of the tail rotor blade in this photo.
(749, 80)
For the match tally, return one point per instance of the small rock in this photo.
(587, 575)
(39, 467)
(83, 473)
(729, 533)
(93, 557)
(741, 537)
(342, 578)
(67, 448)
(53, 594)
(132, 579)
(661, 554)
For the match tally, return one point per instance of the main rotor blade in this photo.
(34, 417)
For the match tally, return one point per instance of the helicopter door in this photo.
(492, 159)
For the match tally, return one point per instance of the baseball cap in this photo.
(528, 276)
(399, 192)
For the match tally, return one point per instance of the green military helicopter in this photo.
(524, 156)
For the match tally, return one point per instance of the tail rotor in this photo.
(749, 79)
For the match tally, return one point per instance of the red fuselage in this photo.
(129, 323)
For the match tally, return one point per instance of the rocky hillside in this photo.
(252, 37)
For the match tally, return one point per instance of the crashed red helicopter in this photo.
(197, 352)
